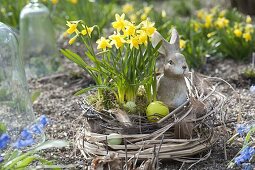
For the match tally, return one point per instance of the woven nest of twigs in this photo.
(185, 131)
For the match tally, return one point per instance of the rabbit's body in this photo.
(176, 92)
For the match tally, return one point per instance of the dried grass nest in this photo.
(170, 137)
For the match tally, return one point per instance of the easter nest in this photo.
(186, 131)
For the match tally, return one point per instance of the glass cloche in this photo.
(16, 113)
(37, 40)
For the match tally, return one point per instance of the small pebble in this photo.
(252, 89)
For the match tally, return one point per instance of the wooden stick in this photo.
(173, 112)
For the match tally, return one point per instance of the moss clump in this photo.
(249, 73)
(108, 101)
(130, 107)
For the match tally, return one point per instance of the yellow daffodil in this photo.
(237, 25)
(117, 40)
(196, 25)
(120, 22)
(142, 36)
(87, 30)
(221, 22)
(182, 44)
(72, 27)
(74, 1)
(103, 43)
(247, 36)
(144, 16)
(200, 14)
(54, 2)
(147, 9)
(248, 19)
(209, 35)
(222, 13)
(238, 32)
(129, 29)
(208, 21)
(134, 42)
(214, 10)
(72, 40)
(249, 28)
(163, 13)
(127, 8)
(148, 27)
(133, 18)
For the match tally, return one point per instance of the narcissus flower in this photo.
(72, 40)
(134, 42)
(196, 26)
(147, 9)
(133, 18)
(249, 28)
(148, 27)
(163, 13)
(248, 19)
(222, 13)
(144, 16)
(117, 40)
(54, 2)
(72, 27)
(143, 37)
(221, 22)
(208, 21)
(200, 14)
(209, 35)
(129, 29)
(103, 43)
(182, 44)
(120, 22)
(238, 32)
(87, 30)
(74, 1)
(127, 8)
(247, 36)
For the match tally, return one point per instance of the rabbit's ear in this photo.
(174, 41)
(156, 38)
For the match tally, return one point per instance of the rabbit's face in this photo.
(175, 65)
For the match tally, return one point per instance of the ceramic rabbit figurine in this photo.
(171, 87)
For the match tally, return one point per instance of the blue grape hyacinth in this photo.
(245, 155)
(242, 129)
(247, 166)
(43, 121)
(26, 137)
(4, 140)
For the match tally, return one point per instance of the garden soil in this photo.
(58, 103)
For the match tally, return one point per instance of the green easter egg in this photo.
(114, 139)
(156, 110)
